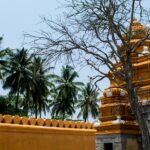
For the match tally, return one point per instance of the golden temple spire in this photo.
(135, 22)
(138, 30)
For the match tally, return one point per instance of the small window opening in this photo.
(108, 146)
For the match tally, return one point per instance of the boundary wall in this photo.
(23, 133)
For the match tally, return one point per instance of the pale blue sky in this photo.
(23, 16)
(19, 16)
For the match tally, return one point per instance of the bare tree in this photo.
(99, 32)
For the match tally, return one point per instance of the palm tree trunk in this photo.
(17, 100)
(40, 114)
(36, 113)
(63, 115)
(27, 102)
(40, 110)
(35, 110)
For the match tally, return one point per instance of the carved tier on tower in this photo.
(116, 115)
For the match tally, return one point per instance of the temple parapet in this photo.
(16, 120)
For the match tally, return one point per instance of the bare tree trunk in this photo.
(135, 105)
(137, 110)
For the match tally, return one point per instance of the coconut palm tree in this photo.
(66, 93)
(18, 74)
(39, 85)
(3, 61)
(88, 102)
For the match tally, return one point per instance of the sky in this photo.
(18, 17)
(23, 16)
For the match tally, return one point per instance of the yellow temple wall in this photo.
(19, 136)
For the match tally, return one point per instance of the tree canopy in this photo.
(66, 93)
(88, 102)
(32, 89)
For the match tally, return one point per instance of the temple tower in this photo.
(118, 129)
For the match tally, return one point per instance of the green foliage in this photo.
(88, 102)
(7, 105)
(3, 61)
(17, 74)
(66, 93)
(34, 90)
(26, 76)
(39, 85)
(61, 117)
